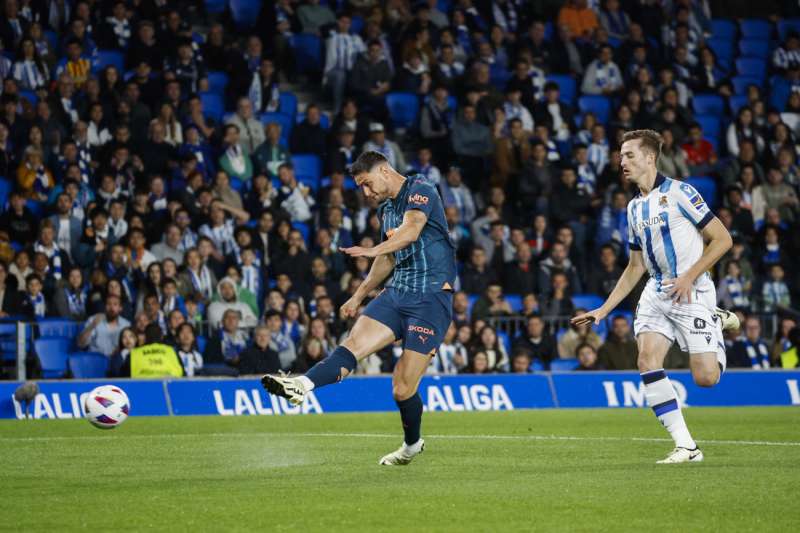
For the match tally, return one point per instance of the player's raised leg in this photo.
(405, 381)
(367, 337)
(661, 396)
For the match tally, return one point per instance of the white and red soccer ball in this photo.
(107, 406)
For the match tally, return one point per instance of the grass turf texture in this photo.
(313, 473)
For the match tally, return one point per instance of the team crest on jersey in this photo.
(419, 199)
(662, 202)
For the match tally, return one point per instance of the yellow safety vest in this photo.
(155, 361)
(790, 358)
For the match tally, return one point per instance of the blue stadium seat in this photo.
(37, 208)
(403, 109)
(216, 6)
(707, 188)
(349, 183)
(710, 104)
(284, 120)
(750, 66)
(566, 86)
(213, 105)
(737, 101)
(710, 126)
(52, 354)
(741, 83)
(499, 76)
(308, 169)
(754, 48)
(245, 12)
(788, 25)
(307, 52)
(5, 189)
(201, 341)
(723, 29)
(563, 365)
(356, 24)
(324, 121)
(58, 327)
(625, 314)
(88, 365)
(471, 299)
(217, 82)
(304, 230)
(287, 104)
(536, 366)
(587, 301)
(29, 96)
(105, 58)
(756, 29)
(503, 338)
(599, 105)
(236, 184)
(723, 49)
(779, 91)
(515, 301)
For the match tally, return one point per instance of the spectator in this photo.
(18, 220)
(775, 194)
(775, 291)
(101, 333)
(619, 351)
(170, 246)
(536, 341)
(700, 154)
(294, 197)
(314, 17)
(520, 274)
(575, 337)
(30, 70)
(260, 357)
(342, 49)
(491, 304)
(456, 194)
(672, 162)
(308, 137)
(579, 18)
(185, 346)
(225, 348)
(488, 343)
(265, 91)
(782, 341)
(557, 301)
(229, 300)
(554, 113)
(379, 143)
(251, 131)
(558, 261)
(791, 357)
(235, 161)
(587, 358)
(743, 128)
(424, 165)
(152, 359)
(750, 350)
(511, 154)
(279, 342)
(449, 357)
(472, 142)
(371, 79)
(615, 21)
(603, 280)
(34, 179)
(602, 76)
(271, 154)
(520, 363)
(569, 204)
(70, 300)
(787, 56)
(733, 290)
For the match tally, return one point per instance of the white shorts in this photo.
(694, 325)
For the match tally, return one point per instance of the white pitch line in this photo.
(395, 436)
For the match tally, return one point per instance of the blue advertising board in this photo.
(492, 392)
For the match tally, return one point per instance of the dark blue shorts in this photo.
(420, 319)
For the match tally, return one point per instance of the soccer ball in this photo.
(107, 407)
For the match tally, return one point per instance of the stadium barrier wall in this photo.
(494, 392)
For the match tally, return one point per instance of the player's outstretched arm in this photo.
(409, 231)
(381, 267)
(719, 242)
(625, 284)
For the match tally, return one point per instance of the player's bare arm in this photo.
(408, 232)
(719, 242)
(625, 284)
(381, 267)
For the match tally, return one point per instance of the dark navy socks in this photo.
(411, 415)
(329, 370)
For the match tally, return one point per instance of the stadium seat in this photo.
(515, 301)
(52, 355)
(502, 336)
(356, 25)
(245, 12)
(756, 29)
(471, 299)
(37, 208)
(106, 58)
(304, 230)
(754, 48)
(5, 189)
(308, 169)
(536, 366)
(599, 105)
(736, 102)
(87, 365)
(779, 90)
(403, 109)
(710, 126)
(749, 66)
(213, 105)
(217, 82)
(723, 29)
(29, 96)
(349, 183)
(627, 315)
(707, 188)
(564, 365)
(723, 49)
(708, 104)
(324, 121)
(216, 6)
(307, 52)
(284, 120)
(788, 25)
(58, 327)
(288, 104)
(566, 86)
(741, 83)
(499, 76)
(201, 341)
(236, 184)
(587, 301)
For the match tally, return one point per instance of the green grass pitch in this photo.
(550, 470)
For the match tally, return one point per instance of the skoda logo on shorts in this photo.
(699, 323)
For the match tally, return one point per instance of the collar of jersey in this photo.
(660, 179)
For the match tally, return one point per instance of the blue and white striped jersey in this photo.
(666, 226)
(429, 264)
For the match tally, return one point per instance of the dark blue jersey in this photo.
(429, 264)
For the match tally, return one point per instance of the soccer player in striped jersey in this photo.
(415, 306)
(668, 223)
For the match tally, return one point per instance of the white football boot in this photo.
(290, 388)
(403, 455)
(682, 455)
(728, 319)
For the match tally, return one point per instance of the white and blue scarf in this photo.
(53, 255)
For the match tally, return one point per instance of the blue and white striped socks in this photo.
(662, 399)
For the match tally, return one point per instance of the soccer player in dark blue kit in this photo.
(415, 306)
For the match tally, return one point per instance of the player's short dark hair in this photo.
(366, 162)
(651, 140)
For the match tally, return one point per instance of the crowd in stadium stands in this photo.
(155, 169)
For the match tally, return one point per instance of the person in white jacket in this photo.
(229, 299)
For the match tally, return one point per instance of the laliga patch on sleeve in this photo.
(697, 202)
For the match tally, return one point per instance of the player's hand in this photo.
(359, 251)
(592, 317)
(350, 307)
(679, 289)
